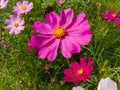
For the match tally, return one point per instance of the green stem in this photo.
(73, 76)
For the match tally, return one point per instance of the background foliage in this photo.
(22, 70)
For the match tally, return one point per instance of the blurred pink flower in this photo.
(78, 88)
(14, 24)
(111, 15)
(80, 71)
(61, 1)
(3, 3)
(22, 7)
(67, 32)
(107, 84)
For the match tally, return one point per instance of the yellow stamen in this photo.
(80, 71)
(15, 24)
(114, 15)
(59, 32)
(24, 8)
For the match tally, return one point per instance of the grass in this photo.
(23, 70)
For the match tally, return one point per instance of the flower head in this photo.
(78, 88)
(79, 71)
(107, 84)
(3, 3)
(23, 7)
(14, 24)
(64, 31)
(111, 16)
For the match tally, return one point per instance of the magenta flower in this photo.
(23, 7)
(3, 3)
(65, 32)
(107, 84)
(80, 71)
(111, 15)
(14, 24)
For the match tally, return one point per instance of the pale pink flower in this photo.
(3, 3)
(23, 7)
(14, 24)
(107, 84)
(78, 88)
(61, 1)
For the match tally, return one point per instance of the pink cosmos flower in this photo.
(111, 15)
(78, 88)
(64, 31)
(107, 84)
(23, 7)
(3, 3)
(79, 71)
(14, 24)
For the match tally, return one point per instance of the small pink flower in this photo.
(78, 88)
(80, 71)
(23, 7)
(107, 84)
(61, 1)
(64, 31)
(3, 3)
(14, 24)
(111, 15)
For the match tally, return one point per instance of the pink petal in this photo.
(77, 21)
(13, 17)
(90, 62)
(17, 31)
(67, 72)
(66, 17)
(49, 52)
(68, 46)
(7, 21)
(37, 41)
(75, 65)
(52, 19)
(11, 32)
(42, 27)
(25, 2)
(111, 11)
(107, 84)
(19, 3)
(83, 62)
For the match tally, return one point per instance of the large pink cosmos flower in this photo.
(79, 71)
(67, 32)
(3, 3)
(14, 24)
(23, 7)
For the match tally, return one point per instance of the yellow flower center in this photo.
(59, 32)
(15, 24)
(114, 15)
(24, 8)
(80, 72)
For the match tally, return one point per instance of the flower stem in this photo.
(73, 76)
